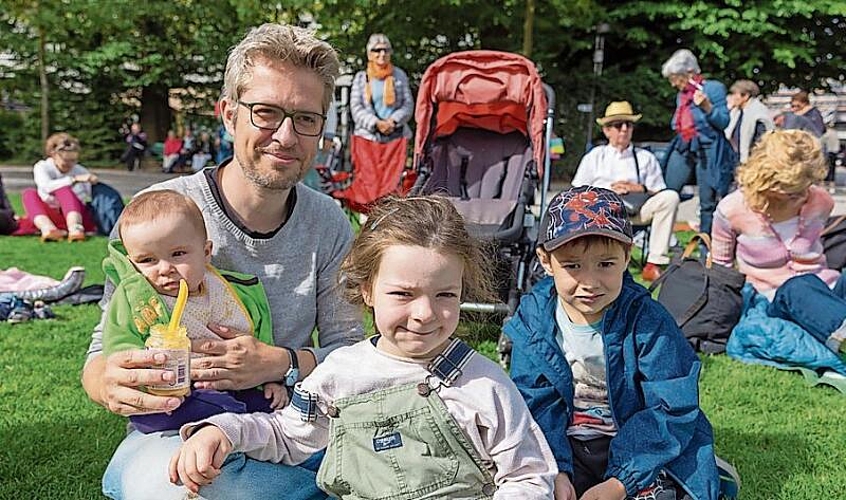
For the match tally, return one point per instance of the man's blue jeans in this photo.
(807, 301)
(139, 470)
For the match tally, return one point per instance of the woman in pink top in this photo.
(772, 227)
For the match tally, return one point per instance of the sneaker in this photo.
(651, 272)
(42, 311)
(20, 313)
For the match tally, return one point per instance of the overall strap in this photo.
(447, 365)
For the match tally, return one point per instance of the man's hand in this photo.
(229, 364)
(200, 458)
(610, 489)
(625, 187)
(564, 488)
(124, 372)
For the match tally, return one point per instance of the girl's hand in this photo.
(610, 489)
(200, 458)
(564, 488)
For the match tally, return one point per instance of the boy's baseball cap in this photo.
(582, 211)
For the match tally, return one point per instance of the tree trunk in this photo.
(155, 112)
(528, 28)
(45, 85)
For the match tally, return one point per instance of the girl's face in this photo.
(415, 297)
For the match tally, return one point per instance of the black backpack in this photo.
(705, 300)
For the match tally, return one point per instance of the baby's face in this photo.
(166, 250)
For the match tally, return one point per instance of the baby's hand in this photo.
(200, 458)
(277, 393)
(564, 488)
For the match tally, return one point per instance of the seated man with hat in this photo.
(624, 169)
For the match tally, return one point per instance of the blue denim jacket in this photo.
(709, 126)
(652, 376)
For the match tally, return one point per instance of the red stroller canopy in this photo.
(496, 91)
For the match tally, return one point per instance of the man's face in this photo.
(274, 159)
(619, 133)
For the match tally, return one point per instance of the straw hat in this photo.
(618, 111)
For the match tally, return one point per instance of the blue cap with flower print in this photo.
(582, 211)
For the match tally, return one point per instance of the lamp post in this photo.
(598, 59)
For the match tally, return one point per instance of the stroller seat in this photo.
(483, 172)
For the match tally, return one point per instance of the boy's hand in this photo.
(200, 458)
(277, 393)
(610, 489)
(564, 488)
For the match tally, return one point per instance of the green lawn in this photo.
(785, 439)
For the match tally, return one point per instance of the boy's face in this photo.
(166, 250)
(588, 278)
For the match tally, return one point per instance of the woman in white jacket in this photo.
(57, 205)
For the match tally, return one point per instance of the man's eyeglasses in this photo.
(619, 125)
(381, 50)
(268, 117)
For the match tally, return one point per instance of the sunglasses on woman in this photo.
(381, 50)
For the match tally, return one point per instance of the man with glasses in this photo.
(265, 223)
(621, 167)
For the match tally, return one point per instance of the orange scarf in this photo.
(387, 74)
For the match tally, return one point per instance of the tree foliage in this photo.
(105, 60)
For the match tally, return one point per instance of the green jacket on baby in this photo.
(135, 304)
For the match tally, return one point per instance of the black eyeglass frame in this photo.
(285, 115)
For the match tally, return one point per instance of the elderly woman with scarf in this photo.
(381, 98)
(381, 105)
(700, 145)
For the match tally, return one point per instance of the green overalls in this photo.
(402, 443)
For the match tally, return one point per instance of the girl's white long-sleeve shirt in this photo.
(483, 401)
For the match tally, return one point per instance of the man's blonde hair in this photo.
(785, 160)
(280, 43)
(152, 205)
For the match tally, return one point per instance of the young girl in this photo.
(411, 412)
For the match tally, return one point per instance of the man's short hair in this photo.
(745, 87)
(280, 43)
(801, 97)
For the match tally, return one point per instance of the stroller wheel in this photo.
(503, 348)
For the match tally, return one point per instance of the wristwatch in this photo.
(293, 372)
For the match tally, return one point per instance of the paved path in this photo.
(127, 183)
(15, 179)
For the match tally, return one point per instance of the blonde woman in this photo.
(771, 226)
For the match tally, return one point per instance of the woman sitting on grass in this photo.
(57, 205)
(772, 227)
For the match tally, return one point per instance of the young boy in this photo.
(603, 367)
(162, 240)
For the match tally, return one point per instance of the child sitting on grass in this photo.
(162, 241)
(604, 369)
(411, 412)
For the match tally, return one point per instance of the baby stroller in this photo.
(484, 124)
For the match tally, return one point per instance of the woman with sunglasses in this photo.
(794, 307)
(380, 98)
(57, 206)
(700, 146)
